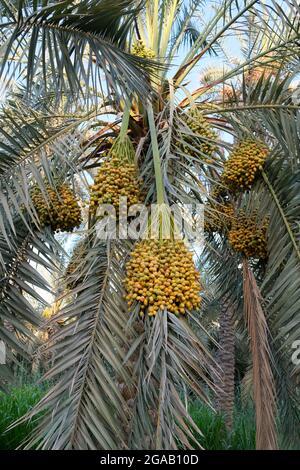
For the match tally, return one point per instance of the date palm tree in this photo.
(83, 77)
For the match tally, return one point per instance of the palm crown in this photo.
(103, 91)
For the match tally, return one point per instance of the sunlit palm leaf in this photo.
(23, 284)
(88, 353)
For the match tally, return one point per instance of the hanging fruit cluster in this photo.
(244, 163)
(141, 50)
(114, 180)
(161, 275)
(248, 237)
(218, 217)
(219, 192)
(59, 209)
(203, 131)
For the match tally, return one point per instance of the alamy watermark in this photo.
(157, 220)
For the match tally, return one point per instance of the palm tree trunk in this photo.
(226, 360)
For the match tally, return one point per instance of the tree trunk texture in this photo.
(226, 360)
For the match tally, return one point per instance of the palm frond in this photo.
(263, 380)
(85, 408)
(72, 44)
